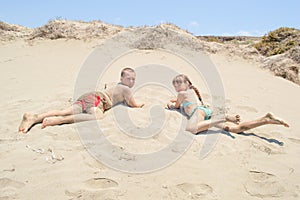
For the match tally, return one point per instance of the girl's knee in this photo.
(192, 129)
(242, 128)
(235, 129)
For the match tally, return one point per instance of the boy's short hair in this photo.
(126, 69)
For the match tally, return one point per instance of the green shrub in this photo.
(278, 41)
(213, 39)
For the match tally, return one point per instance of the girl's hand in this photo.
(170, 105)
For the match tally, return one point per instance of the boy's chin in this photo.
(130, 86)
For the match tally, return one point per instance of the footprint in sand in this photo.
(9, 188)
(266, 149)
(297, 141)
(6, 182)
(95, 195)
(97, 188)
(262, 184)
(193, 191)
(101, 183)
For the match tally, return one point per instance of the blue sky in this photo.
(214, 17)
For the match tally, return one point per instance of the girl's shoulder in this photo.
(183, 93)
(188, 92)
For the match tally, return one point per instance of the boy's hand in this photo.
(140, 105)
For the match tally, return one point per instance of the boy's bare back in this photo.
(119, 94)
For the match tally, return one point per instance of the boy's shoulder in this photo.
(123, 88)
(115, 85)
(120, 85)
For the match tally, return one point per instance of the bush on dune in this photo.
(278, 41)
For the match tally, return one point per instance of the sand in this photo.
(52, 163)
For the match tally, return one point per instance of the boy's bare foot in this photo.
(27, 122)
(51, 121)
(234, 119)
(274, 120)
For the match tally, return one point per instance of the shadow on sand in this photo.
(208, 132)
(269, 140)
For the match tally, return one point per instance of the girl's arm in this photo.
(175, 103)
(178, 102)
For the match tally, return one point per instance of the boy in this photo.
(90, 106)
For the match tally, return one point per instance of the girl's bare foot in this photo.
(271, 119)
(234, 119)
(51, 121)
(27, 122)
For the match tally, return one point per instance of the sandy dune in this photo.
(52, 163)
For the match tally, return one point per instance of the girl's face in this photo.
(180, 85)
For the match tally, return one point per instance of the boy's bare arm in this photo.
(132, 103)
(130, 99)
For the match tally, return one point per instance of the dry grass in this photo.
(278, 41)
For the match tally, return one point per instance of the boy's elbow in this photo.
(138, 106)
(132, 105)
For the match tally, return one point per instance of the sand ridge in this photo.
(258, 164)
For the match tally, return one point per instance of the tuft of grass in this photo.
(213, 39)
(8, 27)
(278, 41)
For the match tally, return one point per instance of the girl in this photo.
(199, 116)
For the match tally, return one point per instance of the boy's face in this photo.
(128, 79)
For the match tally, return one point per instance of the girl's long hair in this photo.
(186, 79)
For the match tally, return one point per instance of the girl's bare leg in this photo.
(236, 119)
(269, 118)
(198, 124)
(93, 114)
(30, 119)
(204, 125)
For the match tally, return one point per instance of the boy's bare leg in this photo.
(269, 118)
(93, 114)
(30, 119)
